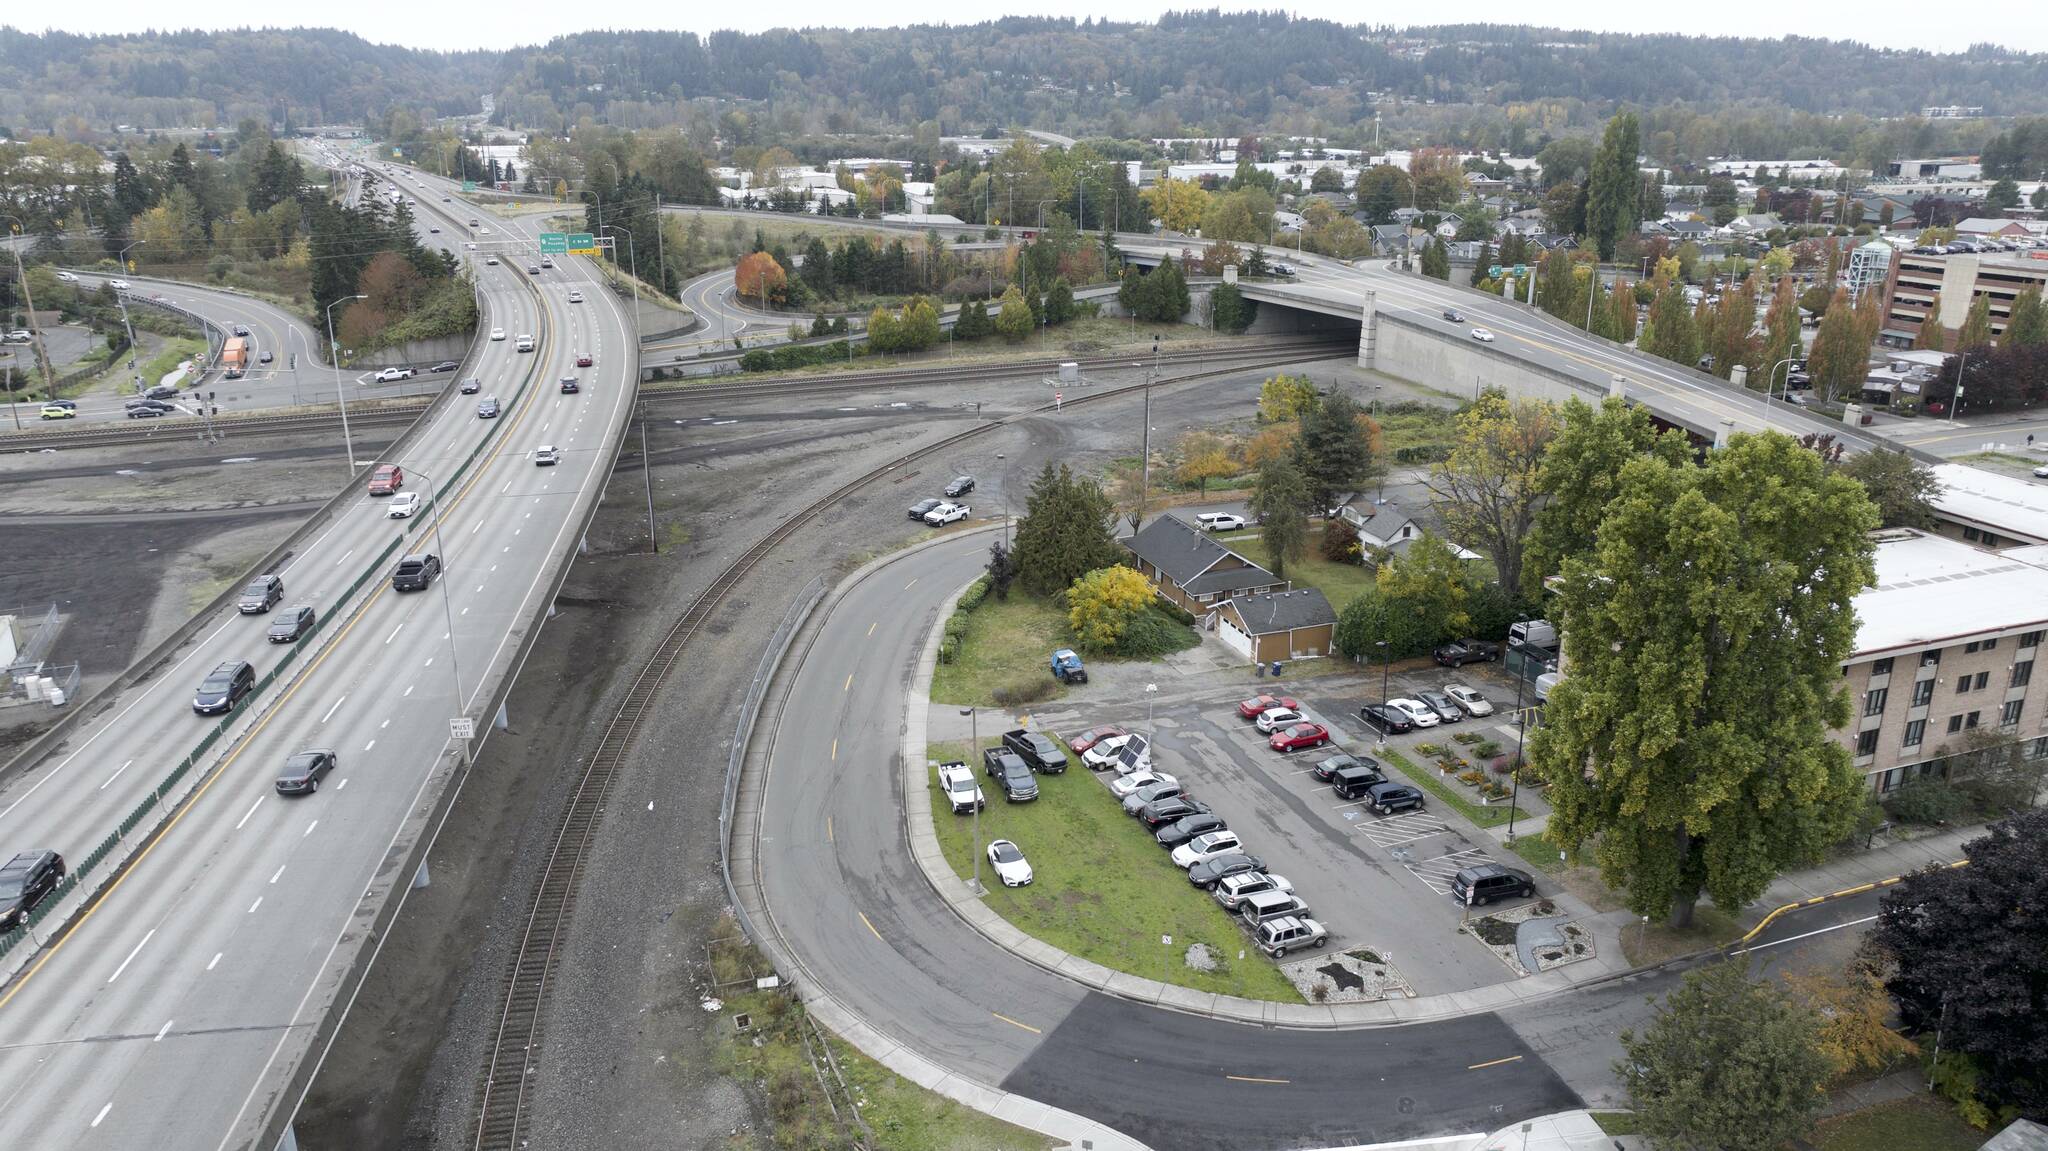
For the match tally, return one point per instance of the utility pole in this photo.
(36, 350)
(647, 479)
(1145, 442)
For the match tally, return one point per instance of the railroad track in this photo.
(95, 435)
(501, 1111)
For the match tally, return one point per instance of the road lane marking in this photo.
(479, 587)
(849, 682)
(116, 775)
(255, 905)
(344, 557)
(385, 724)
(835, 749)
(465, 611)
(166, 1030)
(131, 956)
(430, 659)
(248, 813)
(479, 527)
(1811, 934)
(871, 927)
(211, 963)
(911, 584)
(102, 1115)
(1014, 1023)
(1494, 1063)
(873, 626)
(409, 687)
(393, 635)
(828, 830)
(275, 875)
(370, 745)
(311, 826)
(1255, 1079)
(332, 710)
(342, 786)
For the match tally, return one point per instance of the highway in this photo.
(180, 1007)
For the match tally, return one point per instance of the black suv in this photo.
(1388, 798)
(1010, 774)
(1386, 720)
(224, 687)
(960, 486)
(25, 881)
(1491, 881)
(1355, 782)
(1326, 770)
(414, 573)
(293, 624)
(918, 509)
(303, 771)
(1037, 750)
(263, 593)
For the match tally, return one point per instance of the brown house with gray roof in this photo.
(1193, 570)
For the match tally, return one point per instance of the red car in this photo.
(1259, 705)
(1084, 740)
(386, 479)
(1299, 736)
(583, 361)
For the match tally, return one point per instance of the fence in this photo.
(33, 636)
(17, 689)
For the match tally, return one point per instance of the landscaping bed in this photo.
(1501, 930)
(1481, 815)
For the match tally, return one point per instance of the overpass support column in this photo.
(1368, 330)
(1722, 433)
(1617, 387)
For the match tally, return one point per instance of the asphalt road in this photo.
(177, 1010)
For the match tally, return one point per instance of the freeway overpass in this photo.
(182, 993)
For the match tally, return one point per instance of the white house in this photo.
(1385, 527)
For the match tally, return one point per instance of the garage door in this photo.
(1233, 638)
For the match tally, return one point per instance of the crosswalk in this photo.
(1400, 829)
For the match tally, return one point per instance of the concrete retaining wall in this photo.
(418, 353)
(1427, 355)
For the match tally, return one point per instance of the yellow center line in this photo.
(1255, 1079)
(1494, 1063)
(828, 834)
(849, 682)
(871, 927)
(1014, 1023)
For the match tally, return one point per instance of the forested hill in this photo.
(1189, 71)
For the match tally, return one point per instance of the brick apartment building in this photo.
(1916, 280)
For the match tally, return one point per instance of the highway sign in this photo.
(469, 185)
(462, 727)
(554, 243)
(582, 244)
(1521, 269)
(1494, 271)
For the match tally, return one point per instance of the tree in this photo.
(1427, 582)
(1580, 475)
(1381, 189)
(1621, 313)
(973, 322)
(1229, 310)
(1059, 301)
(1281, 501)
(1670, 332)
(1370, 619)
(2002, 197)
(1487, 490)
(1204, 456)
(1969, 946)
(1932, 337)
(1565, 160)
(1326, 180)
(1436, 261)
(1002, 568)
(758, 277)
(1614, 185)
(1177, 204)
(1854, 1015)
(1976, 329)
(1065, 531)
(1102, 604)
(1285, 399)
(1725, 1063)
(1902, 487)
(1781, 335)
(1013, 322)
(1838, 362)
(2027, 324)
(1335, 449)
(1706, 631)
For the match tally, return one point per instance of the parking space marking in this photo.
(1436, 874)
(1402, 829)
(1494, 1063)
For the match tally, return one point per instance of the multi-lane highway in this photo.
(180, 1008)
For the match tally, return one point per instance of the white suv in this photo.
(1232, 890)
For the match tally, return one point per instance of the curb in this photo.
(1817, 900)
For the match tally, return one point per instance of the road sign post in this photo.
(1056, 398)
(462, 727)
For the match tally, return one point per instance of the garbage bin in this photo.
(1276, 669)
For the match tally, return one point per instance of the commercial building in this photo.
(1993, 511)
(1917, 279)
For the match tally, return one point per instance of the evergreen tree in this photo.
(1621, 313)
(1282, 497)
(1436, 261)
(1013, 321)
(2027, 326)
(1670, 332)
(1839, 361)
(1555, 290)
(1065, 532)
(1334, 449)
(1932, 337)
(1614, 187)
(1781, 336)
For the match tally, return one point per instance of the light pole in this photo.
(1385, 667)
(121, 300)
(37, 352)
(334, 358)
(447, 609)
(1773, 375)
(974, 726)
(633, 265)
(1145, 442)
(1151, 694)
(1956, 401)
(1521, 731)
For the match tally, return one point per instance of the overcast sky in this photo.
(1889, 23)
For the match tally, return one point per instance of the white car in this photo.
(546, 456)
(1122, 786)
(1472, 703)
(1417, 712)
(118, 285)
(575, 297)
(1105, 754)
(493, 261)
(67, 277)
(389, 374)
(483, 231)
(2041, 473)
(957, 781)
(471, 245)
(1011, 866)
(1274, 718)
(497, 333)
(946, 514)
(1232, 890)
(402, 506)
(1205, 846)
(1482, 335)
(1220, 521)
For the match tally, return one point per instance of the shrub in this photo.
(1924, 800)
(974, 595)
(1033, 690)
(1499, 765)
(1487, 750)
(1468, 737)
(1428, 749)
(1471, 777)
(1151, 634)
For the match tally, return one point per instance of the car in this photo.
(1355, 782)
(1388, 798)
(962, 791)
(161, 392)
(1472, 703)
(1301, 735)
(263, 593)
(1219, 521)
(1205, 846)
(402, 506)
(497, 333)
(1386, 720)
(1489, 882)
(444, 366)
(1036, 749)
(533, 269)
(1108, 753)
(960, 486)
(1259, 705)
(1011, 775)
(387, 479)
(1232, 890)
(483, 231)
(1134, 756)
(946, 514)
(416, 572)
(67, 405)
(264, 357)
(1186, 828)
(25, 881)
(492, 261)
(1446, 708)
(242, 331)
(488, 408)
(546, 456)
(147, 411)
(1461, 652)
(1417, 713)
(918, 509)
(1267, 906)
(20, 336)
(1066, 666)
(1326, 769)
(1482, 335)
(1283, 269)
(388, 375)
(1454, 315)
(67, 278)
(2040, 473)
(1157, 815)
(1166, 788)
(1011, 866)
(584, 360)
(434, 228)
(470, 245)
(1123, 785)
(447, 199)
(224, 687)
(1277, 937)
(59, 412)
(118, 285)
(523, 344)
(1218, 868)
(471, 385)
(1083, 741)
(575, 297)
(304, 770)
(1275, 718)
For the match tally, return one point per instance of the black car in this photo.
(918, 509)
(1161, 812)
(293, 624)
(1385, 720)
(224, 687)
(960, 486)
(1327, 769)
(444, 366)
(1011, 775)
(1187, 827)
(147, 411)
(1356, 782)
(157, 406)
(161, 392)
(1464, 651)
(1388, 798)
(414, 573)
(25, 881)
(570, 386)
(1454, 315)
(472, 386)
(1036, 749)
(303, 771)
(242, 331)
(1214, 869)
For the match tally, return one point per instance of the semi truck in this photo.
(234, 357)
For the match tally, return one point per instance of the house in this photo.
(2020, 1134)
(1753, 224)
(1447, 225)
(1393, 238)
(1520, 224)
(1294, 624)
(1384, 527)
(1995, 229)
(1681, 210)
(1683, 230)
(1191, 570)
(1555, 242)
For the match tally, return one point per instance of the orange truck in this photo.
(234, 356)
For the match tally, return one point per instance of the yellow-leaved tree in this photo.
(1102, 604)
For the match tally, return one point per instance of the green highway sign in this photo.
(469, 185)
(582, 244)
(1494, 271)
(1521, 269)
(554, 244)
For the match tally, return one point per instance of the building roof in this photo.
(1225, 581)
(2019, 1135)
(1182, 553)
(1284, 610)
(1932, 591)
(2008, 505)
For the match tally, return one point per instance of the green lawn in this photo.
(1616, 1122)
(1538, 851)
(1415, 425)
(1922, 1123)
(1103, 890)
(906, 1117)
(1340, 582)
(1426, 779)
(1007, 645)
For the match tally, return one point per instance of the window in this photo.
(1923, 693)
(1972, 682)
(1873, 701)
(2022, 672)
(1983, 677)
(2031, 639)
(1977, 645)
(1931, 658)
(1866, 743)
(1970, 720)
(1881, 667)
(1955, 724)
(2009, 715)
(1916, 730)
(1971, 534)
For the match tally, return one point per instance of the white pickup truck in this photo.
(389, 374)
(946, 514)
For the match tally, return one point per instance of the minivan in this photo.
(1266, 906)
(1491, 881)
(224, 687)
(263, 593)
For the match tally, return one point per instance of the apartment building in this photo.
(1989, 509)
(1917, 280)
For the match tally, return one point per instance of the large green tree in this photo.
(1436, 261)
(1281, 498)
(1580, 474)
(1976, 329)
(1614, 185)
(1486, 492)
(1067, 530)
(1840, 360)
(1670, 331)
(1902, 487)
(1705, 633)
(1427, 582)
(1334, 449)
(2027, 325)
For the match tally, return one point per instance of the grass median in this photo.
(1481, 815)
(1102, 888)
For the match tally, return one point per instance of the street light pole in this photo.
(447, 609)
(1521, 733)
(974, 725)
(1956, 401)
(1771, 376)
(1145, 442)
(334, 358)
(121, 301)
